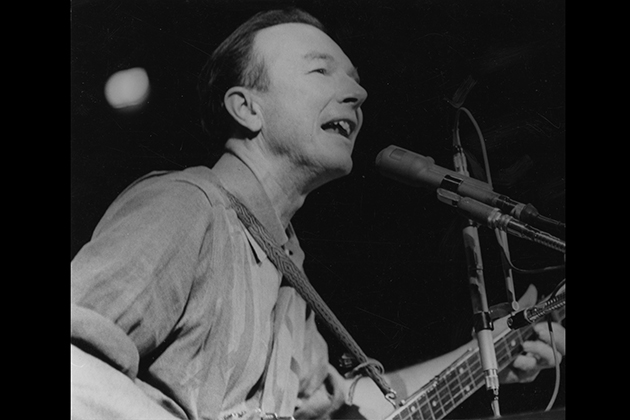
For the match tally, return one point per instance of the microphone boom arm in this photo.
(494, 219)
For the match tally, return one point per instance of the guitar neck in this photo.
(460, 380)
(465, 376)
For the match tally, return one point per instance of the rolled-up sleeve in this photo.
(131, 282)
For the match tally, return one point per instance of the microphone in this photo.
(494, 219)
(419, 171)
(536, 312)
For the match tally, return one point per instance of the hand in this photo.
(537, 355)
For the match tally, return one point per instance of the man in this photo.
(177, 309)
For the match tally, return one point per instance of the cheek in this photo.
(285, 128)
(296, 115)
(292, 113)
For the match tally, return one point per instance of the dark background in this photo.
(387, 258)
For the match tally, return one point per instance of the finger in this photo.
(525, 362)
(559, 335)
(543, 353)
(523, 369)
(508, 376)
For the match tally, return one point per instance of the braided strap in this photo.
(297, 279)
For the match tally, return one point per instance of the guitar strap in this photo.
(298, 280)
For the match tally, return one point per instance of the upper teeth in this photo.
(343, 126)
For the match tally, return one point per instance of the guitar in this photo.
(441, 395)
(461, 379)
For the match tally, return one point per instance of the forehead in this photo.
(298, 44)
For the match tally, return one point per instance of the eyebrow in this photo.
(315, 55)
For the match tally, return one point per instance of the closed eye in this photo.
(321, 71)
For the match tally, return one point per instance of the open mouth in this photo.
(342, 127)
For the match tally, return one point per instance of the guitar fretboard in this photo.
(459, 381)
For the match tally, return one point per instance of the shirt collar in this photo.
(238, 179)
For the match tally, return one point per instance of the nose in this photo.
(353, 93)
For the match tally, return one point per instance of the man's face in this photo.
(312, 109)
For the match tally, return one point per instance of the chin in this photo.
(331, 173)
(333, 164)
(342, 169)
(348, 168)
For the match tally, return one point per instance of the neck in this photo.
(286, 187)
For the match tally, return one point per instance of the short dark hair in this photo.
(233, 63)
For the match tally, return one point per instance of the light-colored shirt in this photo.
(174, 292)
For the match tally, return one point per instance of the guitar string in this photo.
(474, 370)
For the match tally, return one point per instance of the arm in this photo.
(129, 287)
(138, 269)
(99, 391)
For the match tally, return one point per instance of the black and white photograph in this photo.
(317, 209)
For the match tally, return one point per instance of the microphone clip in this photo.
(537, 312)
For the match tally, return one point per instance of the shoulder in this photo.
(173, 197)
(197, 180)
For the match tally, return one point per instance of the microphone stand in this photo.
(476, 212)
(481, 312)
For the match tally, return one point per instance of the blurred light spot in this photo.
(127, 88)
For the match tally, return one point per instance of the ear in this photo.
(241, 104)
